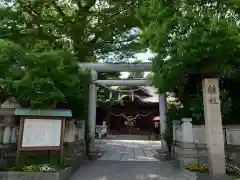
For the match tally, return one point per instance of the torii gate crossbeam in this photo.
(123, 82)
(117, 67)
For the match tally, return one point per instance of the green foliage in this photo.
(196, 108)
(42, 42)
(90, 29)
(65, 31)
(226, 105)
(194, 40)
(137, 74)
(190, 36)
(104, 94)
(40, 79)
(173, 111)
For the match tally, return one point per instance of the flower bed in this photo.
(40, 168)
(35, 168)
(203, 168)
(36, 172)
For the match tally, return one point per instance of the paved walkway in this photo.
(130, 150)
(129, 160)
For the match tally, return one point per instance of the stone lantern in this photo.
(8, 130)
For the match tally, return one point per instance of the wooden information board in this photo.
(41, 133)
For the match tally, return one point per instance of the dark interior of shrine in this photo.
(130, 106)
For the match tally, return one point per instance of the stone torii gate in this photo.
(211, 99)
(120, 67)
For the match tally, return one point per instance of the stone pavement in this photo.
(130, 150)
(128, 160)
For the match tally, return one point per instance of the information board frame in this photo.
(40, 148)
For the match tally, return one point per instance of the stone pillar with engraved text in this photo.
(213, 126)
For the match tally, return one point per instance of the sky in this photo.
(140, 56)
(144, 56)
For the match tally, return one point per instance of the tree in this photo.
(200, 37)
(56, 33)
(90, 29)
(193, 40)
(41, 79)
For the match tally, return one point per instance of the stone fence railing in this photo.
(9, 133)
(189, 143)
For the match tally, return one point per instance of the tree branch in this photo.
(35, 15)
(59, 10)
(122, 41)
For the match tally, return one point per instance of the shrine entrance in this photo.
(134, 115)
(130, 125)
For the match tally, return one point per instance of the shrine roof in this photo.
(152, 99)
(153, 95)
(148, 94)
(43, 112)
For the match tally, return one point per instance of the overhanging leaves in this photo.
(197, 36)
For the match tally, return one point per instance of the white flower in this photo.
(47, 168)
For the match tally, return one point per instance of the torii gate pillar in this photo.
(162, 113)
(92, 108)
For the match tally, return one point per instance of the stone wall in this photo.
(231, 134)
(193, 150)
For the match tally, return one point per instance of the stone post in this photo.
(187, 130)
(14, 135)
(81, 130)
(213, 127)
(188, 149)
(10, 130)
(92, 108)
(2, 128)
(70, 131)
(8, 134)
(176, 123)
(104, 123)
